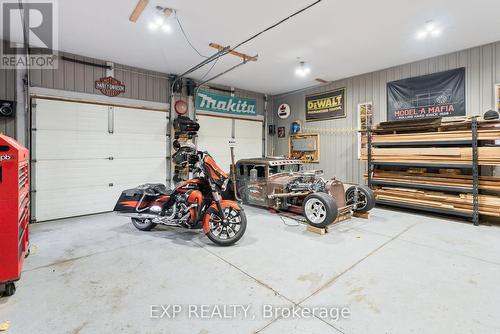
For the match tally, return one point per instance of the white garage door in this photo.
(86, 154)
(214, 135)
(248, 136)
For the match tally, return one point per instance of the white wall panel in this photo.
(59, 144)
(138, 146)
(66, 175)
(81, 117)
(136, 121)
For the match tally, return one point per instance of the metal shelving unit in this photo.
(475, 174)
(474, 166)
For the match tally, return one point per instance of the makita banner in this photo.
(435, 95)
(206, 101)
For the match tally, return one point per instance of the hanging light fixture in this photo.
(160, 19)
(302, 70)
(430, 29)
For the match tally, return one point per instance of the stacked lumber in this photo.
(483, 134)
(435, 143)
(488, 205)
(453, 155)
(432, 124)
(437, 179)
(410, 125)
(434, 130)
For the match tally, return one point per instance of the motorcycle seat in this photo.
(157, 188)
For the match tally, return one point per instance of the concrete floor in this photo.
(396, 272)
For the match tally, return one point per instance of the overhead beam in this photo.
(322, 80)
(139, 8)
(243, 56)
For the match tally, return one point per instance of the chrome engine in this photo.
(307, 181)
(178, 213)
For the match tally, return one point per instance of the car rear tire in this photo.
(366, 198)
(320, 209)
(143, 224)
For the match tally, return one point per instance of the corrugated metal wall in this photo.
(338, 154)
(8, 92)
(139, 84)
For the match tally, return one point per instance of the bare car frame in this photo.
(281, 184)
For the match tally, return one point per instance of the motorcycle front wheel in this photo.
(229, 233)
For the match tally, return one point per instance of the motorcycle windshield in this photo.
(214, 171)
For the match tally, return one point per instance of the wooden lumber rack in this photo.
(434, 165)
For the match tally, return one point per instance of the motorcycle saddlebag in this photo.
(130, 198)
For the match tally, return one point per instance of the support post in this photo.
(369, 153)
(475, 173)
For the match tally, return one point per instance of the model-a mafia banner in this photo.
(435, 95)
(325, 105)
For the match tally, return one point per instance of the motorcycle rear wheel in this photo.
(143, 224)
(226, 235)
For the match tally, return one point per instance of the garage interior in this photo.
(267, 167)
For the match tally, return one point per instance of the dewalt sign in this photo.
(326, 105)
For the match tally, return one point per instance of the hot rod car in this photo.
(281, 184)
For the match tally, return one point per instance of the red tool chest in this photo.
(14, 211)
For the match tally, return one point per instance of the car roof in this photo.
(271, 161)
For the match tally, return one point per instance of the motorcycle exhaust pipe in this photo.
(138, 215)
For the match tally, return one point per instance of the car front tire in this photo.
(320, 209)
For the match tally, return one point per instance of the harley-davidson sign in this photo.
(109, 86)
